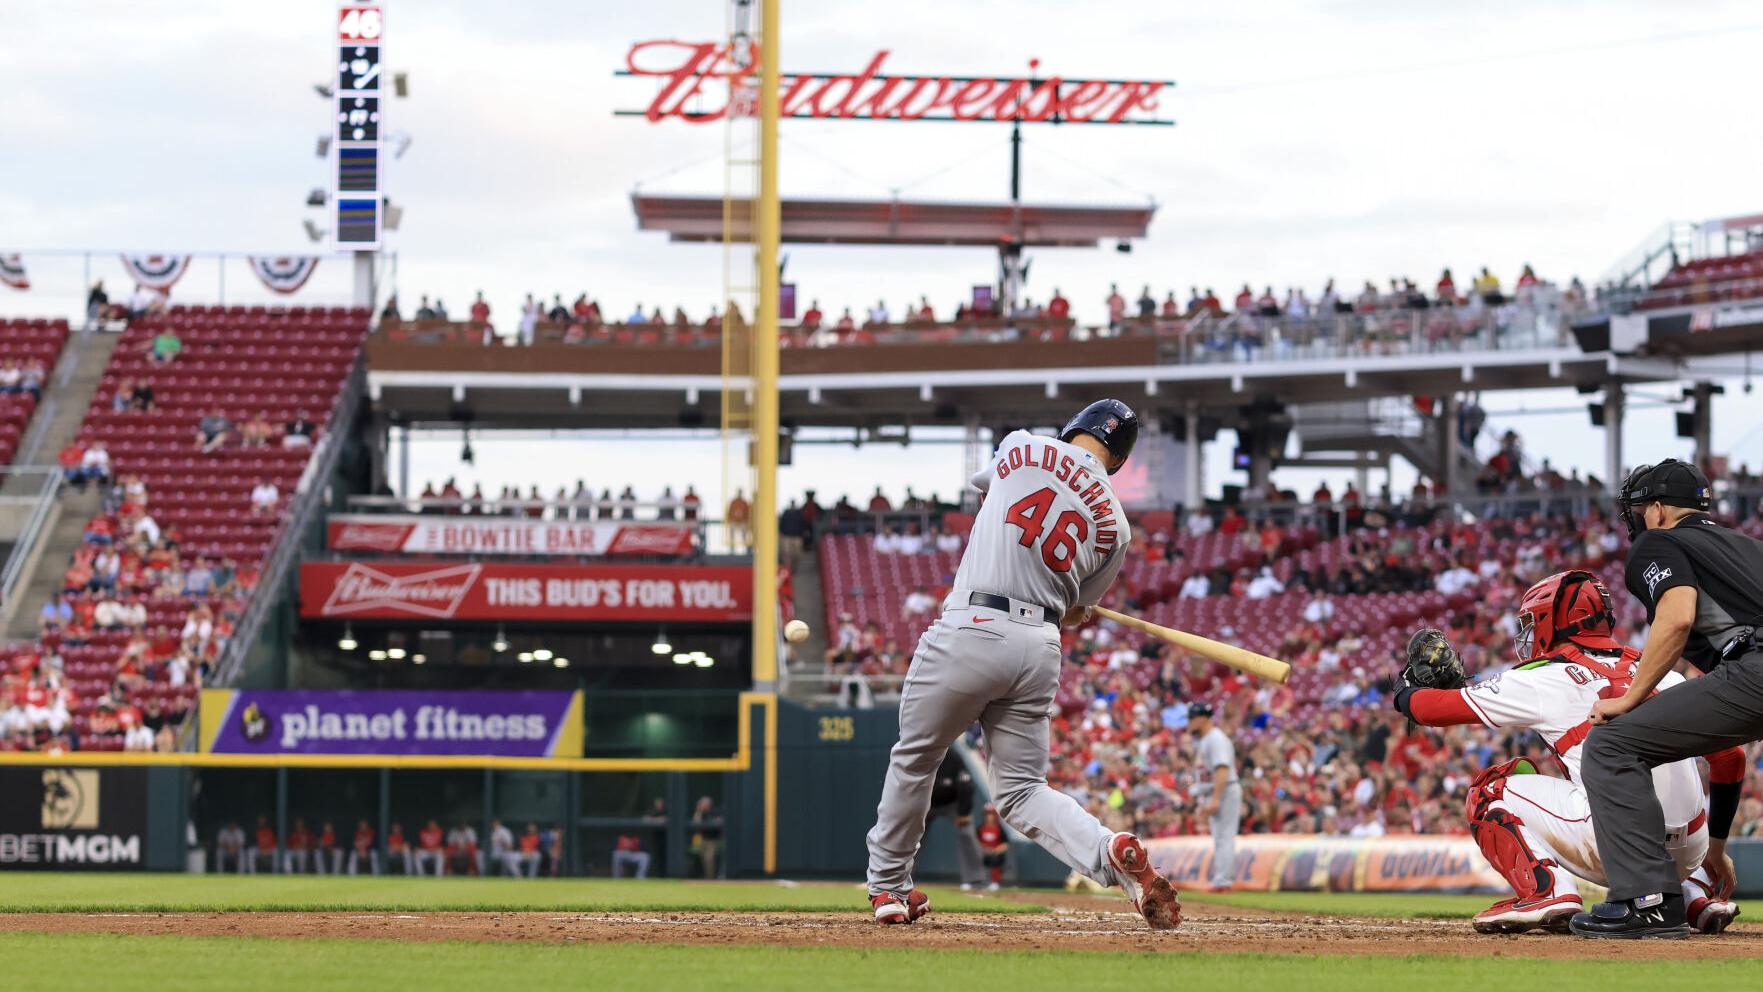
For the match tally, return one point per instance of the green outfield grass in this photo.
(201, 964)
(38, 892)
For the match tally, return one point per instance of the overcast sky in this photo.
(1355, 139)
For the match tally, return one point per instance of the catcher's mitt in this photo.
(1432, 662)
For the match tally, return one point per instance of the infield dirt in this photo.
(1077, 923)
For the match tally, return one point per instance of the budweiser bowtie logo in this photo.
(434, 593)
(651, 541)
(370, 536)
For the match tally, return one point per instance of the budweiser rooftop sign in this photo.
(389, 590)
(699, 82)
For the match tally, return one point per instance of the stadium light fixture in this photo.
(682, 659)
(347, 642)
(500, 644)
(661, 646)
(705, 661)
(542, 654)
(396, 654)
(417, 659)
(525, 657)
(376, 655)
(560, 662)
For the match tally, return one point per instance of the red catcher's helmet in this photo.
(1568, 606)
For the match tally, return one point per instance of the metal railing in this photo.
(304, 510)
(1539, 317)
(38, 509)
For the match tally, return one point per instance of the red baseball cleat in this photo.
(1711, 915)
(1151, 893)
(891, 908)
(1518, 915)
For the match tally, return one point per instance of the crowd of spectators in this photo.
(579, 504)
(130, 586)
(584, 320)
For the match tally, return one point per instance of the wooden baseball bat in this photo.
(1229, 655)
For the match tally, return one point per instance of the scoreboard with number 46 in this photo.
(360, 24)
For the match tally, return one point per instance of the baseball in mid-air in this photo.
(795, 631)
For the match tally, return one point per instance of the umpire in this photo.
(1703, 588)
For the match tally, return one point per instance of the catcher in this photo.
(1530, 827)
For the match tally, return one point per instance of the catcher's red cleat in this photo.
(1151, 893)
(1711, 915)
(891, 908)
(1517, 915)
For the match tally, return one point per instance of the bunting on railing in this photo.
(156, 271)
(12, 272)
(285, 274)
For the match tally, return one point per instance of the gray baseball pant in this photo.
(1225, 823)
(1001, 669)
(1721, 709)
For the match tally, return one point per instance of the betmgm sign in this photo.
(72, 818)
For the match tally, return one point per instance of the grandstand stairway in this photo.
(71, 385)
(810, 606)
(67, 528)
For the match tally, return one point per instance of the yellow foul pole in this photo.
(767, 224)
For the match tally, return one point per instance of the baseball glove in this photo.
(1432, 662)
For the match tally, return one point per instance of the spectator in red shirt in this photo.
(429, 848)
(1171, 308)
(1232, 523)
(265, 852)
(1212, 304)
(812, 319)
(1322, 496)
(690, 504)
(1447, 290)
(1245, 300)
(363, 849)
(329, 851)
(628, 851)
(397, 848)
(1058, 307)
(531, 844)
(1116, 306)
(878, 503)
(299, 842)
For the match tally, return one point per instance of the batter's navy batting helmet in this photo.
(1109, 421)
(1671, 482)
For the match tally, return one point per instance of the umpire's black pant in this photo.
(1721, 709)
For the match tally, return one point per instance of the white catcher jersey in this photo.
(1555, 700)
(1050, 532)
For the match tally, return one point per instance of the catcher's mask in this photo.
(1568, 606)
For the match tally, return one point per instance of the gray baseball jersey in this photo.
(1051, 531)
(1050, 535)
(1216, 749)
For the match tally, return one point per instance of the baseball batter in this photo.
(1046, 545)
(1529, 826)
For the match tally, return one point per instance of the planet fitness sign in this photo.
(384, 723)
(683, 68)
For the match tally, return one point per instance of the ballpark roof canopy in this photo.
(899, 222)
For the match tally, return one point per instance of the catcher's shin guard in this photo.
(1497, 832)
